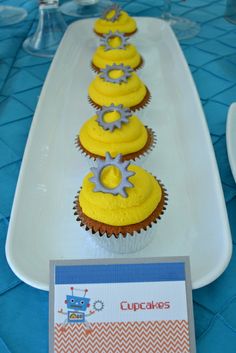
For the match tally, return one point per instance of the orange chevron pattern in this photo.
(123, 337)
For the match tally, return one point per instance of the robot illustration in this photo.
(77, 309)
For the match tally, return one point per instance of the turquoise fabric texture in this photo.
(211, 56)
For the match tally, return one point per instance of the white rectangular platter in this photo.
(230, 138)
(43, 225)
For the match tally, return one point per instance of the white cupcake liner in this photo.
(91, 161)
(97, 70)
(139, 160)
(99, 35)
(133, 241)
(124, 245)
(145, 102)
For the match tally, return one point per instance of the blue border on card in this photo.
(120, 273)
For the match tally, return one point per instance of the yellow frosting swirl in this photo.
(129, 93)
(131, 137)
(124, 24)
(128, 56)
(142, 200)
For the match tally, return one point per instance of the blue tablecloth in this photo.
(212, 59)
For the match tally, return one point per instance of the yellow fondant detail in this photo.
(124, 24)
(110, 177)
(110, 14)
(114, 42)
(111, 117)
(142, 200)
(116, 73)
(131, 137)
(128, 56)
(127, 93)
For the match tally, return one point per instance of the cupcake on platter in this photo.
(118, 84)
(120, 205)
(115, 129)
(114, 19)
(115, 49)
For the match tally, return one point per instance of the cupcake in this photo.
(118, 84)
(114, 19)
(114, 49)
(119, 204)
(115, 130)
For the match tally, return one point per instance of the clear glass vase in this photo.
(183, 27)
(230, 11)
(50, 30)
(85, 8)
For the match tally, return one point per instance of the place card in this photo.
(121, 305)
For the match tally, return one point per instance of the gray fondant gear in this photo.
(125, 174)
(114, 7)
(106, 37)
(125, 114)
(127, 70)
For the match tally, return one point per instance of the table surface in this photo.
(212, 59)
